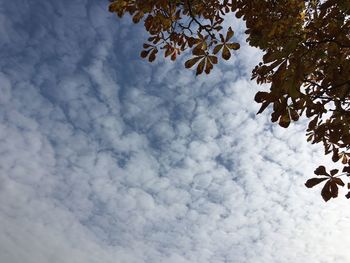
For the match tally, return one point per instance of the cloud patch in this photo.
(105, 157)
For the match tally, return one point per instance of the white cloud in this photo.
(106, 158)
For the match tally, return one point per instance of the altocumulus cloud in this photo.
(105, 158)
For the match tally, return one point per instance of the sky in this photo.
(105, 157)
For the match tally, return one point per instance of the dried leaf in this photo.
(335, 156)
(338, 181)
(347, 195)
(321, 170)
(152, 56)
(314, 181)
(326, 191)
(213, 59)
(208, 66)
(229, 34)
(284, 121)
(217, 48)
(226, 54)
(144, 53)
(334, 172)
(189, 63)
(233, 46)
(334, 189)
(200, 67)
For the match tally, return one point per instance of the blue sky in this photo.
(107, 158)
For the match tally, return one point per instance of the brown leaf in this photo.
(338, 181)
(344, 159)
(263, 107)
(346, 169)
(173, 56)
(217, 48)
(284, 121)
(226, 54)
(213, 59)
(200, 67)
(347, 195)
(294, 115)
(314, 181)
(260, 96)
(326, 191)
(152, 56)
(144, 53)
(208, 67)
(229, 34)
(334, 172)
(334, 189)
(335, 156)
(233, 46)
(168, 52)
(312, 124)
(189, 63)
(192, 41)
(271, 56)
(198, 51)
(321, 170)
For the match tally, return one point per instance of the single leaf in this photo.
(263, 107)
(208, 66)
(260, 96)
(200, 67)
(335, 156)
(271, 56)
(217, 48)
(312, 124)
(338, 181)
(334, 172)
(321, 170)
(189, 63)
(294, 115)
(152, 56)
(346, 169)
(284, 121)
(334, 189)
(314, 181)
(144, 53)
(344, 159)
(226, 54)
(192, 41)
(213, 59)
(229, 34)
(198, 51)
(168, 52)
(173, 56)
(326, 192)
(347, 195)
(233, 46)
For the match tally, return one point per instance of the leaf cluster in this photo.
(178, 25)
(306, 60)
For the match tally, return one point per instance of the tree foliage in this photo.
(306, 60)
